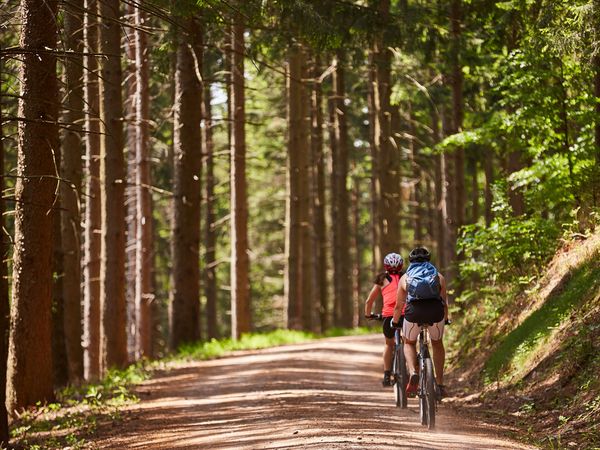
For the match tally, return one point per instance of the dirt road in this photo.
(322, 395)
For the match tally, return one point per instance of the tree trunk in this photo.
(596, 69)
(113, 341)
(240, 287)
(184, 305)
(333, 163)
(4, 297)
(60, 364)
(342, 271)
(515, 196)
(457, 112)
(320, 227)
(70, 188)
(210, 235)
(472, 162)
(357, 313)
(388, 157)
(488, 167)
(440, 191)
(30, 353)
(449, 196)
(143, 249)
(131, 219)
(91, 258)
(375, 156)
(294, 231)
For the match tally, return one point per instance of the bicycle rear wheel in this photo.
(400, 377)
(422, 393)
(430, 394)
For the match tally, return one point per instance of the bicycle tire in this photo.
(422, 395)
(430, 394)
(401, 378)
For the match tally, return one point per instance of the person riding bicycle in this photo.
(386, 283)
(422, 299)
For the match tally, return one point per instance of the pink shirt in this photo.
(389, 293)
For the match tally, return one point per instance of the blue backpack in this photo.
(422, 281)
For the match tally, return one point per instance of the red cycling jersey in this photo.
(389, 293)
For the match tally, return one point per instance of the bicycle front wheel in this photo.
(430, 394)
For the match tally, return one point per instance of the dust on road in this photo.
(321, 395)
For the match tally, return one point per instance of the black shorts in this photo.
(425, 311)
(388, 331)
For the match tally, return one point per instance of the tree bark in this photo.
(131, 219)
(210, 235)
(320, 228)
(143, 250)
(60, 364)
(488, 167)
(342, 270)
(113, 339)
(30, 376)
(294, 232)
(388, 157)
(333, 175)
(92, 227)
(4, 297)
(184, 305)
(70, 188)
(375, 181)
(240, 287)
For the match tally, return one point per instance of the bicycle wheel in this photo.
(430, 394)
(400, 378)
(422, 395)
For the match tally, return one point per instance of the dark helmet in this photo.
(419, 254)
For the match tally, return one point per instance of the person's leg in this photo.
(439, 357)
(410, 352)
(388, 354)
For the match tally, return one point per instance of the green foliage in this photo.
(529, 337)
(510, 249)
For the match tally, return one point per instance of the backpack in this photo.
(422, 281)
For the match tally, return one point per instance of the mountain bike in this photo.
(399, 370)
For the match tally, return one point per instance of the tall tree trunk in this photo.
(184, 305)
(440, 190)
(131, 219)
(357, 316)
(449, 196)
(113, 339)
(342, 272)
(240, 287)
(515, 196)
(70, 192)
(294, 233)
(375, 156)
(388, 157)
(333, 175)
(457, 111)
(4, 297)
(60, 364)
(91, 257)
(320, 227)
(143, 249)
(30, 353)
(210, 235)
(596, 69)
(305, 192)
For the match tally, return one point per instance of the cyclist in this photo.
(431, 309)
(386, 283)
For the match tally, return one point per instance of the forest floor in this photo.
(325, 394)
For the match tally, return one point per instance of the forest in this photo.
(176, 172)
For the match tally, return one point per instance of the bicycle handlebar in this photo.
(374, 317)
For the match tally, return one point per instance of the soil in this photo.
(325, 394)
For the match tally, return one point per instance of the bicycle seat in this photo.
(430, 324)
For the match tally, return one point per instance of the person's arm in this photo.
(400, 299)
(371, 299)
(444, 295)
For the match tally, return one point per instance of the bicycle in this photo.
(399, 370)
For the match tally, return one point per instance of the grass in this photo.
(254, 341)
(530, 336)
